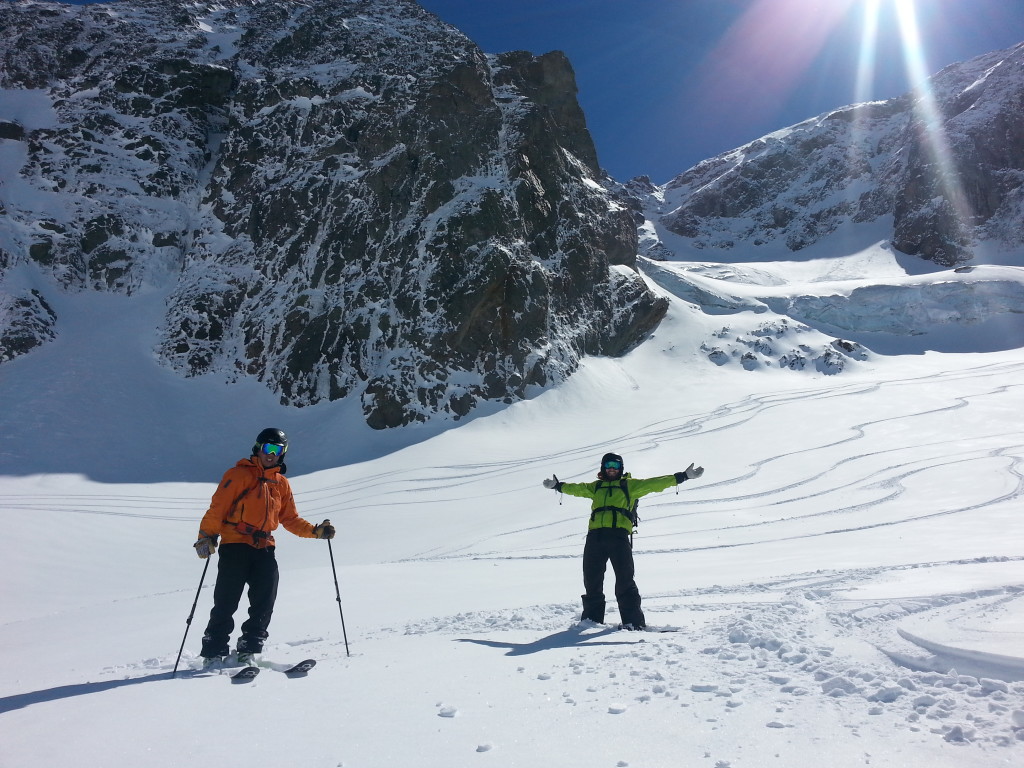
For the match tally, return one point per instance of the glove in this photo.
(205, 546)
(689, 473)
(324, 531)
(551, 482)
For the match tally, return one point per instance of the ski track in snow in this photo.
(388, 490)
(759, 655)
(830, 496)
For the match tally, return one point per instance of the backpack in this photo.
(631, 506)
(633, 516)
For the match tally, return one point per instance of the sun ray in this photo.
(932, 130)
(868, 52)
(857, 153)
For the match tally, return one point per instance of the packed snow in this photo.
(844, 584)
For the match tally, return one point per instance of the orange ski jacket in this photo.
(249, 504)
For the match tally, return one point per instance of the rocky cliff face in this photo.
(947, 165)
(341, 198)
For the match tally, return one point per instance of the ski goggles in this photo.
(273, 449)
(613, 465)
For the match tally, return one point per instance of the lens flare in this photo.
(928, 116)
(764, 55)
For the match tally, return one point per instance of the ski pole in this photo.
(188, 621)
(337, 592)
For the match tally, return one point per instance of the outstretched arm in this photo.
(584, 490)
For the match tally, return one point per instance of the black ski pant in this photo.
(604, 545)
(240, 565)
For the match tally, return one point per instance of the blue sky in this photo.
(668, 83)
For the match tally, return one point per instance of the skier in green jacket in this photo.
(612, 517)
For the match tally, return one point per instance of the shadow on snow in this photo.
(22, 700)
(566, 638)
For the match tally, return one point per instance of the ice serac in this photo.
(945, 164)
(343, 198)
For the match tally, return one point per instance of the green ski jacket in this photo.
(613, 500)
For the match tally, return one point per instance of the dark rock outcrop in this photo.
(342, 198)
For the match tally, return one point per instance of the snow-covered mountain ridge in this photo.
(898, 219)
(946, 163)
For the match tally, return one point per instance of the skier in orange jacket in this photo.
(253, 498)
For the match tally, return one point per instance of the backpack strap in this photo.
(629, 510)
(631, 514)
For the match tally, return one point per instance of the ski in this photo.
(586, 624)
(245, 674)
(649, 629)
(301, 668)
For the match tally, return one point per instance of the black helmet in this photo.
(611, 457)
(271, 435)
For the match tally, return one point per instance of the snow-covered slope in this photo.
(832, 310)
(845, 577)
